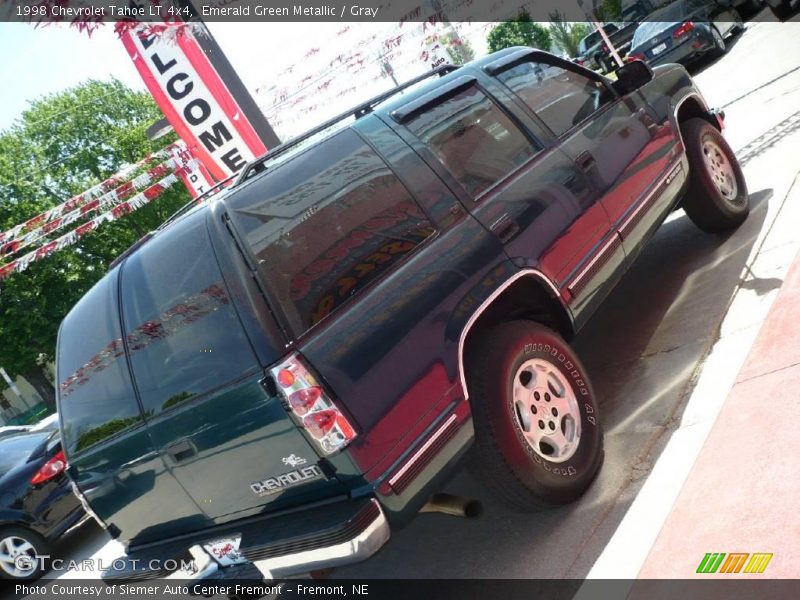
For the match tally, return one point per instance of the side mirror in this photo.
(633, 75)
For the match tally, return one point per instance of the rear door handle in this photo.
(585, 161)
(505, 228)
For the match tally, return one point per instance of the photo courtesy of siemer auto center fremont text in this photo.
(391, 299)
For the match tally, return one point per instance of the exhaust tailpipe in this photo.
(457, 506)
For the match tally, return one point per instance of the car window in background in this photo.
(16, 449)
(331, 221)
(95, 392)
(561, 98)
(184, 337)
(474, 139)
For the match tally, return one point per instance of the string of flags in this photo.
(112, 199)
(73, 237)
(94, 192)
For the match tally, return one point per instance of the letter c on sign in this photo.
(174, 93)
(191, 115)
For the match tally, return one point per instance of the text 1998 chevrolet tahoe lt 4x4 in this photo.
(295, 367)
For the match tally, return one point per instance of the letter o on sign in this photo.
(196, 111)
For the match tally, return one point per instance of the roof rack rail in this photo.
(359, 111)
(171, 219)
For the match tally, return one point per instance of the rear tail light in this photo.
(304, 400)
(52, 468)
(312, 406)
(683, 29)
(636, 57)
(285, 378)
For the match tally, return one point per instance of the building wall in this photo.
(12, 405)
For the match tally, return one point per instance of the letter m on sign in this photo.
(734, 562)
(710, 562)
(758, 562)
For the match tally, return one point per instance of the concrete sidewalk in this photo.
(743, 492)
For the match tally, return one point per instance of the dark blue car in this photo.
(36, 501)
(684, 31)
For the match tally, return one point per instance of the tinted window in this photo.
(184, 337)
(329, 222)
(96, 397)
(17, 449)
(561, 98)
(474, 139)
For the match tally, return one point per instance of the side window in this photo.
(330, 221)
(184, 337)
(95, 393)
(561, 98)
(474, 139)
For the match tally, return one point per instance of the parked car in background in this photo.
(782, 9)
(594, 53)
(37, 504)
(49, 423)
(684, 31)
(12, 429)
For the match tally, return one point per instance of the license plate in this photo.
(659, 49)
(225, 551)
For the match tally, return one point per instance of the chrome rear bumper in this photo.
(360, 547)
(326, 536)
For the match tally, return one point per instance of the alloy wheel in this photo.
(721, 171)
(12, 549)
(546, 410)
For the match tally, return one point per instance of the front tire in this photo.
(19, 548)
(717, 198)
(538, 440)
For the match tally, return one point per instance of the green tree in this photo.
(458, 48)
(62, 145)
(609, 10)
(520, 31)
(567, 36)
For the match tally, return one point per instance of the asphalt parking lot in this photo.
(645, 349)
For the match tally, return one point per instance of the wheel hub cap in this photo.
(11, 549)
(720, 170)
(546, 410)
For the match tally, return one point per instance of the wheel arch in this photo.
(528, 294)
(693, 106)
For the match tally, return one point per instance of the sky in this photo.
(50, 59)
(46, 60)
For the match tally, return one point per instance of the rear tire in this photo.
(538, 440)
(18, 549)
(719, 48)
(717, 198)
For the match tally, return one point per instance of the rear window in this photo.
(96, 398)
(16, 449)
(184, 336)
(329, 222)
(659, 21)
